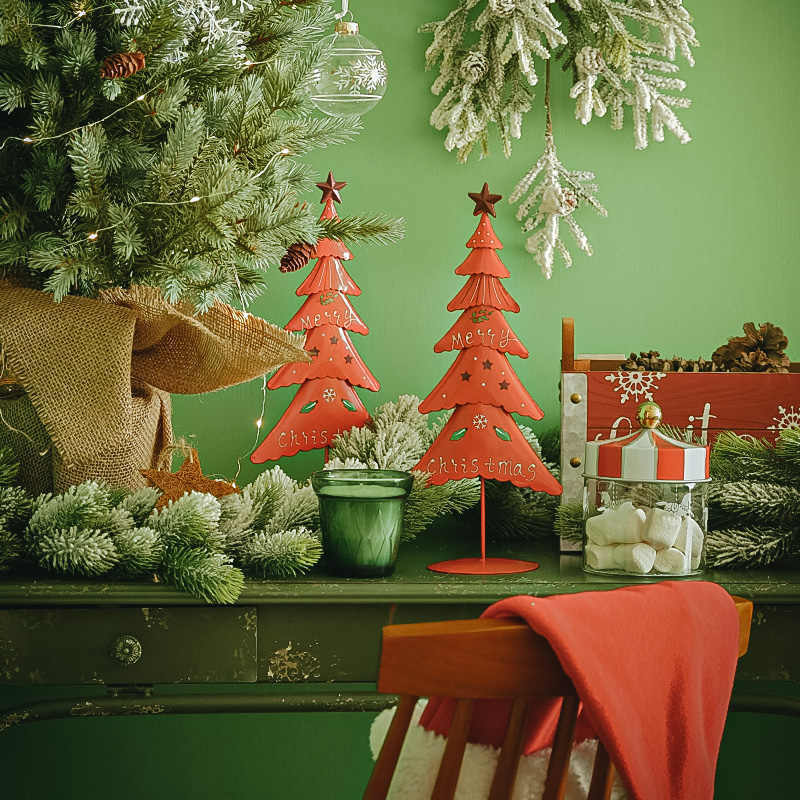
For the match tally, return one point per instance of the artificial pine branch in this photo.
(210, 576)
(788, 447)
(753, 503)
(9, 467)
(284, 554)
(140, 551)
(749, 547)
(140, 504)
(376, 229)
(735, 457)
(76, 551)
(190, 521)
(569, 522)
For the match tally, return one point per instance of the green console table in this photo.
(305, 644)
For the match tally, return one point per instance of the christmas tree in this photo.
(481, 437)
(326, 403)
(157, 142)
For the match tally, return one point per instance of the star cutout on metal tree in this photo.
(484, 201)
(330, 189)
(465, 376)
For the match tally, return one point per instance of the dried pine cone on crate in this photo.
(759, 350)
(651, 361)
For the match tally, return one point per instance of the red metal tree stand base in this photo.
(483, 566)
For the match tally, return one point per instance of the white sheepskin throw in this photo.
(422, 752)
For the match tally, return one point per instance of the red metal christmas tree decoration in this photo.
(481, 437)
(326, 403)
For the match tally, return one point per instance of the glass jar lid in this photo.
(647, 455)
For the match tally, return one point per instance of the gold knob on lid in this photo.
(347, 28)
(649, 415)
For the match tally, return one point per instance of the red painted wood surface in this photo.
(756, 404)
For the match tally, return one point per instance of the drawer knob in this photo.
(575, 398)
(575, 461)
(126, 650)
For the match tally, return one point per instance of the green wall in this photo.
(699, 239)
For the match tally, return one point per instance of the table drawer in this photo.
(128, 645)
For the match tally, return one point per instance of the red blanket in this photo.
(653, 666)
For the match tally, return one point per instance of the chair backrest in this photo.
(491, 659)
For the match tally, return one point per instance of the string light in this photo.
(92, 236)
(259, 422)
(195, 199)
(285, 151)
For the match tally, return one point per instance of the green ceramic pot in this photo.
(361, 515)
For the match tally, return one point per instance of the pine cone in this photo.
(296, 257)
(122, 65)
(474, 66)
(759, 350)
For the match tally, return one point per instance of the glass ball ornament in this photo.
(353, 78)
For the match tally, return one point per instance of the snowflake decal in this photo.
(633, 385)
(329, 395)
(363, 74)
(479, 422)
(787, 418)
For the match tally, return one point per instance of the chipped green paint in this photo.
(249, 620)
(14, 718)
(87, 708)
(292, 665)
(156, 617)
(144, 708)
(9, 660)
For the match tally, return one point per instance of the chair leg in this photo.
(382, 773)
(556, 783)
(602, 775)
(447, 779)
(508, 762)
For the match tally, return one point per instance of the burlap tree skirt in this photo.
(97, 377)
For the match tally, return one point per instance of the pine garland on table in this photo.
(754, 500)
(200, 544)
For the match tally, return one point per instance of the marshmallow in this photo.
(599, 557)
(623, 524)
(638, 558)
(662, 528)
(671, 561)
(690, 536)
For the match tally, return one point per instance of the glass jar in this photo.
(644, 503)
(361, 516)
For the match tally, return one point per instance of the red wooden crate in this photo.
(599, 401)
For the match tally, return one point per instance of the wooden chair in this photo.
(486, 658)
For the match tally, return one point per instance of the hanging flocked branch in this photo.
(490, 55)
(555, 197)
